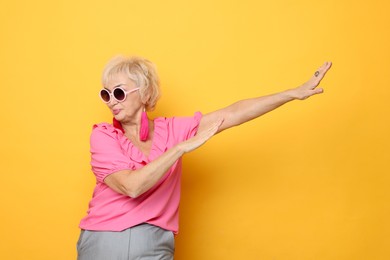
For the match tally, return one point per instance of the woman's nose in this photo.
(112, 102)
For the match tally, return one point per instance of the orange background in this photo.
(307, 181)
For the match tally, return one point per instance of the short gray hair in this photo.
(142, 71)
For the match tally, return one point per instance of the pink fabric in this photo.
(144, 130)
(111, 151)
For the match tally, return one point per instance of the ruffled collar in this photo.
(117, 124)
(159, 141)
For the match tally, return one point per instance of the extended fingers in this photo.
(214, 127)
(202, 136)
(320, 73)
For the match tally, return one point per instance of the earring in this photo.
(144, 131)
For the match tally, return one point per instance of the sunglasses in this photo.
(118, 93)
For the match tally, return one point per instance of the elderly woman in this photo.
(133, 213)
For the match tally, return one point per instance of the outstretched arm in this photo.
(248, 109)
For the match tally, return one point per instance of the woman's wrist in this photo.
(180, 149)
(291, 94)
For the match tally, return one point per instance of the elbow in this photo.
(126, 183)
(132, 191)
(132, 195)
(133, 186)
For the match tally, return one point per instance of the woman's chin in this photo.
(118, 117)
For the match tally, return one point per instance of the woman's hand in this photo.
(309, 88)
(134, 183)
(201, 137)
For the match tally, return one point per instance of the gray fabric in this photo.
(142, 242)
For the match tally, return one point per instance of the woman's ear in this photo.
(145, 97)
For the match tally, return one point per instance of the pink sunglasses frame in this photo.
(112, 95)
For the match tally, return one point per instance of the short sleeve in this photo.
(107, 155)
(184, 128)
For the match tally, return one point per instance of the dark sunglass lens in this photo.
(105, 95)
(119, 94)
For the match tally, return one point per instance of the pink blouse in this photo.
(111, 151)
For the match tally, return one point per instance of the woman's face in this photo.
(127, 109)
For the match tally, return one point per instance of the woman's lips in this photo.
(116, 111)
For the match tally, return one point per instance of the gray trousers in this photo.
(142, 242)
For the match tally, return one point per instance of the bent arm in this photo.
(135, 183)
(248, 109)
